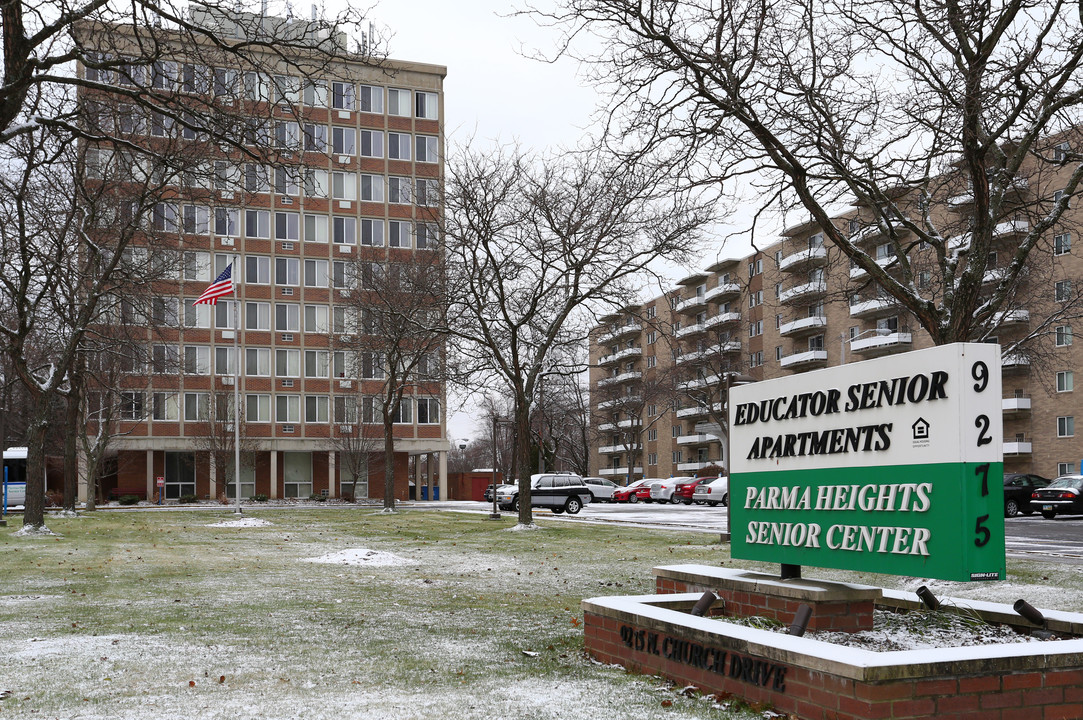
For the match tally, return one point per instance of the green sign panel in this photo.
(890, 465)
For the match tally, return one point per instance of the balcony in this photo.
(618, 379)
(729, 346)
(696, 439)
(859, 273)
(803, 260)
(698, 383)
(697, 465)
(871, 308)
(692, 305)
(612, 449)
(620, 402)
(1011, 317)
(994, 276)
(690, 330)
(620, 332)
(1004, 229)
(722, 319)
(883, 342)
(804, 360)
(875, 232)
(620, 355)
(1018, 447)
(610, 427)
(619, 471)
(692, 412)
(803, 292)
(1015, 361)
(1016, 405)
(723, 292)
(803, 325)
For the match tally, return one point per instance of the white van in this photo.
(13, 483)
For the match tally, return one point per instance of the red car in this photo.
(628, 494)
(643, 492)
(684, 490)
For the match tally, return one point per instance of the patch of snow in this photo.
(34, 531)
(360, 556)
(519, 527)
(241, 523)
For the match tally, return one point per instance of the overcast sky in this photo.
(494, 91)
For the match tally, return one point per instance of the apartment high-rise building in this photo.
(658, 370)
(335, 182)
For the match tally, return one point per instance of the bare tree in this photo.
(626, 411)
(942, 122)
(396, 337)
(355, 444)
(534, 245)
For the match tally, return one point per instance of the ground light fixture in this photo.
(706, 600)
(1029, 612)
(927, 597)
(800, 620)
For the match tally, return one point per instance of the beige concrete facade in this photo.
(798, 305)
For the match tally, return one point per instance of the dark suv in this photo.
(558, 492)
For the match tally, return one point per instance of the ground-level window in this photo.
(354, 484)
(297, 475)
(180, 474)
(248, 483)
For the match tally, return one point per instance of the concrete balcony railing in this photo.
(722, 319)
(803, 292)
(1018, 447)
(620, 355)
(729, 346)
(694, 465)
(690, 330)
(804, 360)
(1011, 317)
(696, 439)
(870, 308)
(692, 412)
(620, 332)
(858, 273)
(1015, 404)
(620, 471)
(692, 305)
(724, 291)
(620, 402)
(810, 257)
(882, 343)
(611, 449)
(1015, 361)
(802, 325)
(618, 379)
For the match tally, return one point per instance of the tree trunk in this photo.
(389, 463)
(34, 512)
(522, 454)
(71, 453)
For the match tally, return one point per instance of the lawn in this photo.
(155, 615)
(159, 615)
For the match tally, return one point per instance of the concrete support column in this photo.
(430, 473)
(274, 475)
(151, 489)
(443, 476)
(80, 473)
(213, 472)
(417, 477)
(331, 474)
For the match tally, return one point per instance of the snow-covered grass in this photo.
(349, 613)
(329, 613)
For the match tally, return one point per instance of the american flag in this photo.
(222, 285)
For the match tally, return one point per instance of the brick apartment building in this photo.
(358, 157)
(657, 369)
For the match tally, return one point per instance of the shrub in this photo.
(128, 499)
(346, 497)
(259, 498)
(317, 497)
(188, 499)
(54, 498)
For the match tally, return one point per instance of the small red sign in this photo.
(161, 481)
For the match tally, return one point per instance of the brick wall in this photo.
(1050, 694)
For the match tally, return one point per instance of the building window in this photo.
(287, 226)
(372, 232)
(1063, 334)
(427, 148)
(398, 102)
(287, 271)
(652, 337)
(370, 99)
(196, 406)
(288, 408)
(165, 406)
(652, 458)
(678, 457)
(316, 228)
(398, 146)
(316, 319)
(344, 230)
(652, 410)
(1066, 426)
(755, 298)
(652, 361)
(428, 411)
(131, 405)
(257, 362)
(257, 224)
(676, 430)
(287, 317)
(755, 329)
(257, 408)
(755, 268)
(778, 353)
(197, 360)
(1063, 290)
(399, 233)
(1058, 195)
(372, 188)
(1065, 381)
(372, 143)
(257, 270)
(755, 359)
(426, 105)
(316, 408)
(1062, 243)
(652, 311)
(1066, 468)
(343, 141)
(315, 137)
(400, 190)
(342, 96)
(1060, 152)
(652, 434)
(317, 364)
(778, 289)
(316, 273)
(287, 363)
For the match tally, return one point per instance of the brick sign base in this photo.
(814, 680)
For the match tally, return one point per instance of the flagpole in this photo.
(236, 387)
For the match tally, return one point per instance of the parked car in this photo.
(601, 488)
(715, 492)
(666, 490)
(558, 492)
(489, 491)
(1017, 490)
(687, 488)
(643, 492)
(1063, 496)
(628, 493)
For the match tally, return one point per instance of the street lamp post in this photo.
(495, 514)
